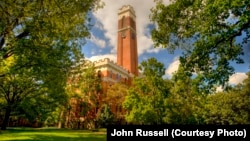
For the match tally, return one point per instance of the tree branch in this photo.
(23, 34)
(2, 75)
(3, 90)
(6, 92)
(8, 54)
(235, 34)
(2, 41)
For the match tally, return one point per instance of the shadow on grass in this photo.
(55, 138)
(30, 134)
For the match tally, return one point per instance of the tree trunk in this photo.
(6, 118)
(61, 119)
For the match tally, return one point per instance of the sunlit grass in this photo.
(39, 134)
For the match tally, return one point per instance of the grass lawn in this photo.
(51, 134)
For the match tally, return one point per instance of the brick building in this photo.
(126, 67)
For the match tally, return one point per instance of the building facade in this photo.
(126, 67)
(110, 72)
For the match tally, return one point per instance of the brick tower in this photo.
(127, 40)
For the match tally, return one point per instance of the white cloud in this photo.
(98, 57)
(219, 89)
(234, 80)
(108, 17)
(237, 78)
(144, 45)
(172, 67)
(154, 50)
(99, 42)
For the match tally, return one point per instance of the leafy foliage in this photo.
(105, 116)
(207, 31)
(84, 86)
(185, 101)
(145, 100)
(230, 107)
(39, 42)
(115, 97)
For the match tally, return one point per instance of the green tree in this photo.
(105, 116)
(145, 100)
(32, 28)
(84, 86)
(229, 107)
(39, 41)
(207, 31)
(115, 97)
(186, 99)
(25, 92)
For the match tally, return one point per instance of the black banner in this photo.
(179, 132)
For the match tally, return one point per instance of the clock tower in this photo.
(127, 40)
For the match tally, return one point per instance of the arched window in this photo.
(123, 22)
(99, 74)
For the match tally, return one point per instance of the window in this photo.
(133, 35)
(110, 74)
(123, 21)
(123, 34)
(117, 76)
(99, 74)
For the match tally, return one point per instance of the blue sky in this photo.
(103, 41)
